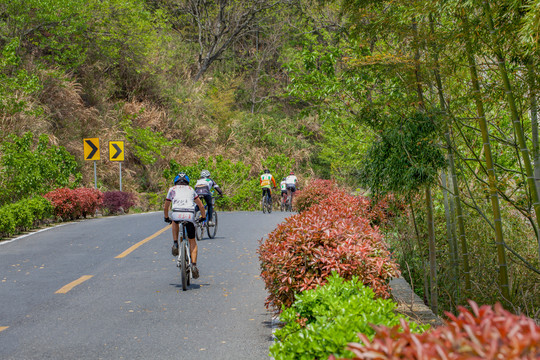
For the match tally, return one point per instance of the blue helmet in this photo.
(181, 177)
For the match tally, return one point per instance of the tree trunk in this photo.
(533, 103)
(455, 198)
(492, 179)
(432, 255)
(518, 129)
(450, 234)
(429, 202)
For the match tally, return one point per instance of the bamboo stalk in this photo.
(492, 178)
(518, 129)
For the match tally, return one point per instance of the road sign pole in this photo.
(120, 167)
(95, 175)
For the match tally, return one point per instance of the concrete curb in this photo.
(411, 305)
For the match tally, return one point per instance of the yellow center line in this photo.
(72, 284)
(134, 247)
(2, 328)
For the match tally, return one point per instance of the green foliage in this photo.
(147, 145)
(240, 189)
(23, 215)
(405, 157)
(40, 207)
(321, 322)
(15, 82)
(279, 165)
(7, 222)
(28, 168)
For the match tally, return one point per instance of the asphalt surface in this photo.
(65, 293)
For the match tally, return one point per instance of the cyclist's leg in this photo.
(190, 228)
(210, 207)
(270, 196)
(175, 231)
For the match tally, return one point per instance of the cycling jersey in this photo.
(283, 186)
(204, 186)
(291, 180)
(267, 180)
(182, 198)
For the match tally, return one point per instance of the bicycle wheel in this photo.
(269, 201)
(211, 230)
(183, 266)
(199, 227)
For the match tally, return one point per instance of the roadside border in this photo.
(55, 225)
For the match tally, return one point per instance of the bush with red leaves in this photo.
(313, 193)
(485, 333)
(118, 201)
(70, 204)
(89, 200)
(334, 235)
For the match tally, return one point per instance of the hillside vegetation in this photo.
(430, 108)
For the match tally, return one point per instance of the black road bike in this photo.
(211, 230)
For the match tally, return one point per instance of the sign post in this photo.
(116, 153)
(91, 153)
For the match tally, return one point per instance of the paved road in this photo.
(64, 294)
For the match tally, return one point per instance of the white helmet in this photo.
(205, 174)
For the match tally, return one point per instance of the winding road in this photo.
(108, 288)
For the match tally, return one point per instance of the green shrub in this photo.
(22, 214)
(40, 208)
(7, 222)
(30, 168)
(321, 322)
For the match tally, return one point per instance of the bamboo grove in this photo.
(408, 83)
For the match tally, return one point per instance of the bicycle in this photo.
(211, 230)
(183, 261)
(283, 204)
(266, 203)
(288, 204)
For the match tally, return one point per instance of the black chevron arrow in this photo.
(94, 149)
(118, 151)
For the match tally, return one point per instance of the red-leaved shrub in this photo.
(89, 200)
(118, 201)
(313, 193)
(70, 204)
(334, 235)
(485, 333)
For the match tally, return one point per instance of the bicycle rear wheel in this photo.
(211, 230)
(183, 266)
(199, 226)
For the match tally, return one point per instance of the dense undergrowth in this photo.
(325, 316)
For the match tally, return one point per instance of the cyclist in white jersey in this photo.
(291, 181)
(203, 188)
(283, 187)
(181, 198)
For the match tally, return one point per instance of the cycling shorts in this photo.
(267, 190)
(188, 216)
(190, 229)
(291, 187)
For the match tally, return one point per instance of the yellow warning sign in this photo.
(91, 149)
(116, 150)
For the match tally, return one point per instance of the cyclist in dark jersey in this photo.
(203, 188)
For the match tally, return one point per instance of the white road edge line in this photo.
(67, 223)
